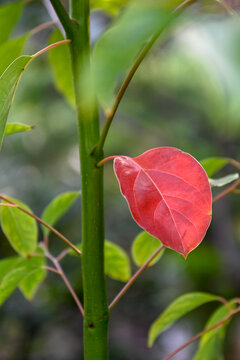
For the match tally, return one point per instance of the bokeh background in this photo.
(186, 94)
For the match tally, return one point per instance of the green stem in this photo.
(95, 299)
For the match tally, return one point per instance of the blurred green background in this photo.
(186, 95)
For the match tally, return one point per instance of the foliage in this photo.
(167, 190)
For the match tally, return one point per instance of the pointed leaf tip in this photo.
(168, 194)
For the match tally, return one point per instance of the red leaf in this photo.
(169, 196)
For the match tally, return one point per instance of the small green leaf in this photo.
(223, 180)
(117, 264)
(176, 310)
(10, 282)
(118, 48)
(10, 50)
(6, 265)
(8, 84)
(60, 62)
(144, 245)
(9, 15)
(211, 343)
(213, 164)
(13, 128)
(30, 284)
(20, 229)
(57, 208)
(111, 7)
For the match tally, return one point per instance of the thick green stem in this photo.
(95, 300)
(96, 314)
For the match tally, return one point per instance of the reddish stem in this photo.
(103, 161)
(226, 191)
(52, 229)
(134, 278)
(218, 324)
(62, 42)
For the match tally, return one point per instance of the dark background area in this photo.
(186, 95)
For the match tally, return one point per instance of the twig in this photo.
(236, 191)
(51, 46)
(127, 80)
(227, 7)
(218, 324)
(49, 268)
(235, 163)
(53, 15)
(226, 191)
(134, 278)
(41, 27)
(56, 232)
(65, 279)
(62, 254)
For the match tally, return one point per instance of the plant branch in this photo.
(43, 26)
(52, 229)
(236, 191)
(63, 254)
(226, 191)
(235, 163)
(227, 7)
(218, 324)
(49, 268)
(111, 113)
(134, 278)
(65, 279)
(63, 16)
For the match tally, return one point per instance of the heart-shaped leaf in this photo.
(169, 196)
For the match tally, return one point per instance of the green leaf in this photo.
(30, 284)
(6, 265)
(8, 84)
(13, 128)
(10, 50)
(110, 6)
(117, 264)
(23, 272)
(176, 310)
(57, 208)
(211, 343)
(20, 229)
(60, 62)
(117, 49)
(11, 281)
(144, 245)
(223, 180)
(213, 164)
(9, 15)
